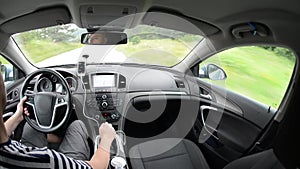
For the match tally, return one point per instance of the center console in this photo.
(106, 94)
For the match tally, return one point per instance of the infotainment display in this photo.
(103, 80)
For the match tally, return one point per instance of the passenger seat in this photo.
(183, 154)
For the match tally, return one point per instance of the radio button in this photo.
(104, 96)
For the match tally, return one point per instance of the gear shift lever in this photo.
(119, 162)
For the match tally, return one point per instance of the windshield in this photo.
(60, 45)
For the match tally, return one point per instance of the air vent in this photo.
(179, 84)
(15, 93)
(122, 81)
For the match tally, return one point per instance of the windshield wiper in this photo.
(126, 64)
(63, 65)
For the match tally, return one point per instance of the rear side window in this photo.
(261, 73)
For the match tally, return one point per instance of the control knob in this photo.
(104, 105)
(114, 116)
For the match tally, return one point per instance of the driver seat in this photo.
(187, 155)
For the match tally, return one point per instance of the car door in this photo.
(236, 111)
(13, 78)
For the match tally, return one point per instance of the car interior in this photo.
(168, 111)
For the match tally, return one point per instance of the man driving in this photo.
(14, 154)
(97, 39)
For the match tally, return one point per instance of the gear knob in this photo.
(118, 162)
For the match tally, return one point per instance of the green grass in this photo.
(3, 60)
(164, 52)
(37, 50)
(256, 73)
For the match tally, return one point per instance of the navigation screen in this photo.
(103, 81)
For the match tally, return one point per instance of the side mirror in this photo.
(212, 72)
(6, 71)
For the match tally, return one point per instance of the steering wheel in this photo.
(45, 105)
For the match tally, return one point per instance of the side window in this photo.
(7, 70)
(261, 73)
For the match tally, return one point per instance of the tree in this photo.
(281, 52)
(55, 34)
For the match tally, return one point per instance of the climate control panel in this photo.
(107, 103)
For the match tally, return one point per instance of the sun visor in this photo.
(178, 22)
(38, 19)
(96, 16)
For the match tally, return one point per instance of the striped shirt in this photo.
(16, 155)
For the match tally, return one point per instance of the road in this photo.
(96, 54)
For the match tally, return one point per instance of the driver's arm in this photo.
(12, 123)
(100, 159)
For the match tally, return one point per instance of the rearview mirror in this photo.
(212, 72)
(104, 38)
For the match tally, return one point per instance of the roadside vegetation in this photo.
(42, 44)
(260, 73)
(39, 50)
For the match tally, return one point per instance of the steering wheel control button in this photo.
(60, 100)
(30, 99)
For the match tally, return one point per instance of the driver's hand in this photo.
(19, 112)
(107, 132)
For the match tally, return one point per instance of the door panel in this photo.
(228, 129)
(226, 135)
(241, 106)
(253, 111)
(236, 132)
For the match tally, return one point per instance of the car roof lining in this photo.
(211, 25)
(61, 15)
(205, 27)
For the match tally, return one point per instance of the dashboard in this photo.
(104, 92)
(125, 94)
(109, 88)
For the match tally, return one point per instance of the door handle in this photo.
(7, 115)
(206, 96)
(202, 108)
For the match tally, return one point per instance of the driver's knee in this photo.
(33, 138)
(78, 127)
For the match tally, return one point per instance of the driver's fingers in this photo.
(23, 99)
(21, 103)
(26, 111)
(109, 124)
(106, 124)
